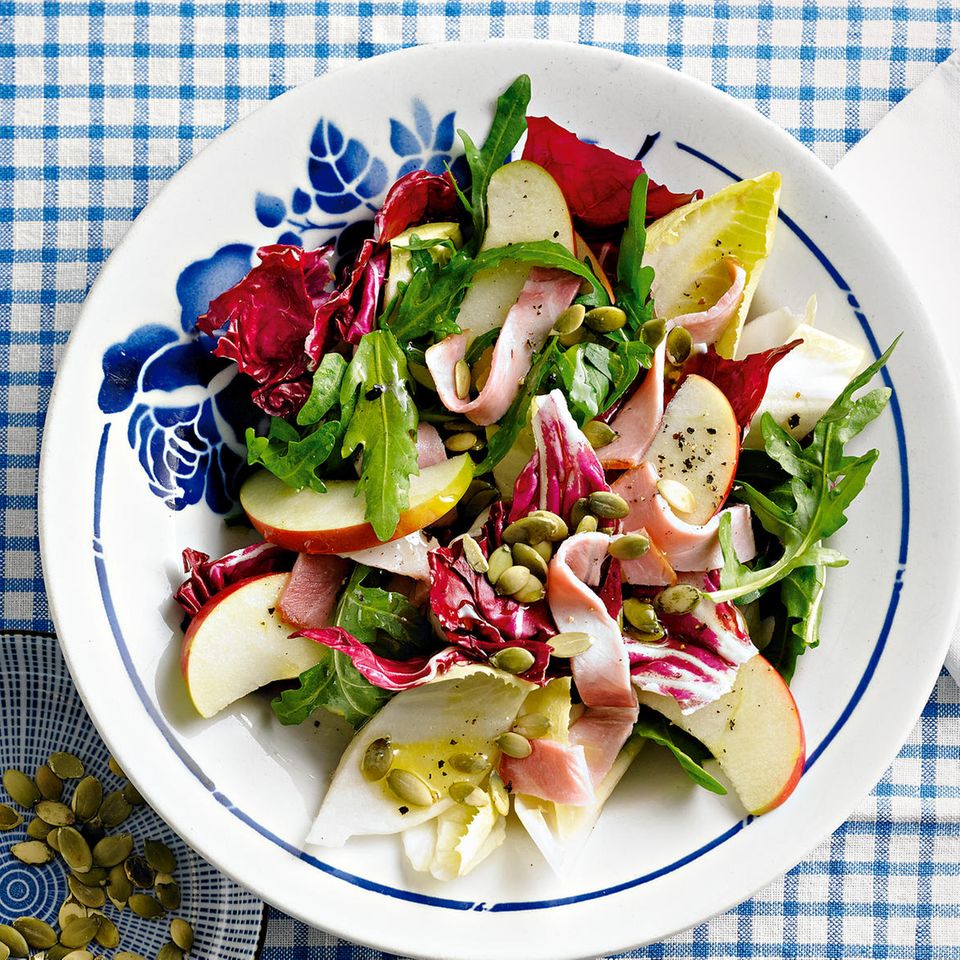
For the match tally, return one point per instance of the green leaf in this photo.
(291, 458)
(634, 280)
(508, 126)
(384, 423)
(325, 391)
(335, 685)
(515, 419)
(812, 505)
(687, 750)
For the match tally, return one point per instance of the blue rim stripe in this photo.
(509, 906)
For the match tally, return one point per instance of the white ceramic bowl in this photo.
(241, 789)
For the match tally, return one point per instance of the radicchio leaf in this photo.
(206, 577)
(563, 468)
(266, 319)
(596, 182)
(418, 197)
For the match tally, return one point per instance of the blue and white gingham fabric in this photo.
(101, 102)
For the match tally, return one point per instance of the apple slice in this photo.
(333, 522)
(698, 445)
(754, 732)
(523, 203)
(236, 644)
(582, 249)
(400, 271)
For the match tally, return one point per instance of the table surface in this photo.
(101, 103)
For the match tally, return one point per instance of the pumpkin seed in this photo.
(578, 512)
(32, 852)
(533, 726)
(511, 580)
(569, 644)
(74, 849)
(38, 830)
(169, 895)
(39, 935)
(48, 783)
(143, 905)
(529, 529)
(599, 434)
(139, 872)
(13, 940)
(65, 765)
(474, 555)
(21, 788)
(108, 936)
(481, 369)
(648, 636)
(89, 896)
(471, 506)
(79, 931)
(461, 379)
(71, 910)
(461, 442)
(514, 745)
(679, 599)
(132, 795)
(607, 505)
(377, 759)
(558, 529)
(513, 660)
(73, 955)
(411, 788)
(527, 556)
(587, 525)
(170, 951)
(470, 762)
(498, 794)
(571, 319)
(115, 768)
(532, 591)
(499, 561)
(113, 850)
(574, 337)
(94, 877)
(127, 955)
(119, 886)
(114, 809)
(605, 319)
(422, 375)
(4, 952)
(53, 839)
(463, 791)
(159, 856)
(54, 813)
(87, 798)
(641, 615)
(678, 495)
(181, 933)
(9, 818)
(653, 332)
(545, 549)
(631, 546)
(679, 344)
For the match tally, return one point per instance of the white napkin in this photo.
(921, 133)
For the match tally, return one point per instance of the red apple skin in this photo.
(791, 783)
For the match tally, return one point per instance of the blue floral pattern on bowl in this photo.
(186, 411)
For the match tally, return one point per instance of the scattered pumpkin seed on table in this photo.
(114, 809)
(108, 935)
(74, 849)
(65, 765)
(37, 934)
(21, 788)
(168, 894)
(87, 798)
(181, 933)
(132, 795)
(71, 910)
(79, 932)
(143, 905)
(38, 830)
(34, 853)
(9, 818)
(89, 896)
(4, 952)
(139, 872)
(54, 813)
(115, 768)
(48, 783)
(74, 955)
(159, 856)
(170, 951)
(113, 850)
(11, 938)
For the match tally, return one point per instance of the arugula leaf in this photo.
(383, 420)
(797, 623)
(515, 419)
(634, 280)
(480, 344)
(292, 458)
(509, 125)
(689, 752)
(325, 391)
(595, 376)
(431, 299)
(823, 482)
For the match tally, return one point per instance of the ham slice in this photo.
(601, 732)
(430, 448)
(310, 596)
(651, 570)
(707, 325)
(408, 556)
(638, 420)
(553, 771)
(685, 545)
(545, 295)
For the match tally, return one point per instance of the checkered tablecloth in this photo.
(101, 102)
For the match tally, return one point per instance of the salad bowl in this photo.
(140, 451)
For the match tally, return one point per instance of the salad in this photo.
(530, 493)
